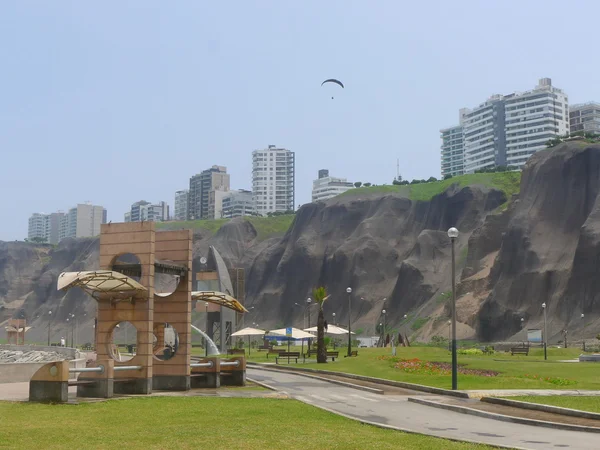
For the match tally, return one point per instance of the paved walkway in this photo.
(396, 411)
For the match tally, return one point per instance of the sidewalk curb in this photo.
(400, 384)
(503, 417)
(404, 430)
(341, 383)
(544, 408)
(261, 384)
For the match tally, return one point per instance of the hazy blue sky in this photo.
(118, 101)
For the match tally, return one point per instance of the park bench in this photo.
(236, 351)
(265, 347)
(274, 351)
(87, 347)
(331, 355)
(519, 351)
(288, 355)
(352, 353)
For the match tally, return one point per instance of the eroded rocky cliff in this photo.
(512, 255)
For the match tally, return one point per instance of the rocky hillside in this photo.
(389, 243)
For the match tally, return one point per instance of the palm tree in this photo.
(320, 295)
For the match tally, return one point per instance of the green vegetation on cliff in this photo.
(507, 182)
(266, 227)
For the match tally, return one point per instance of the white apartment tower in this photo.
(506, 130)
(238, 203)
(273, 180)
(453, 150)
(82, 221)
(326, 187)
(181, 205)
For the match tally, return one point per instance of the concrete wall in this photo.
(19, 372)
(70, 353)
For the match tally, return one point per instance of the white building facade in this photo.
(506, 130)
(84, 220)
(326, 187)
(532, 118)
(453, 151)
(181, 205)
(273, 178)
(238, 203)
(146, 211)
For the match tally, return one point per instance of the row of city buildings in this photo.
(83, 220)
(209, 196)
(506, 130)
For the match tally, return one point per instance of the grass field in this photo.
(266, 227)
(513, 372)
(564, 401)
(196, 422)
(508, 182)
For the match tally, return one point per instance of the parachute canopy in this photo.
(333, 80)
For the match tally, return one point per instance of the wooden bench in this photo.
(236, 351)
(331, 355)
(288, 356)
(275, 352)
(352, 353)
(519, 351)
(265, 347)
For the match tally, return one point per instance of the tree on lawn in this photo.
(320, 295)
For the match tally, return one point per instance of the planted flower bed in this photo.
(420, 367)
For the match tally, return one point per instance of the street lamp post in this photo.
(583, 339)
(522, 322)
(545, 335)
(383, 312)
(206, 340)
(349, 292)
(49, 322)
(449, 336)
(453, 234)
(334, 322)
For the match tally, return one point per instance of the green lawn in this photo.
(196, 422)
(266, 227)
(564, 401)
(514, 372)
(508, 182)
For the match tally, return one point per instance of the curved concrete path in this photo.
(396, 411)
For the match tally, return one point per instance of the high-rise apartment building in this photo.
(273, 180)
(585, 117)
(146, 211)
(326, 187)
(238, 204)
(453, 151)
(45, 227)
(506, 130)
(181, 205)
(215, 178)
(532, 119)
(84, 220)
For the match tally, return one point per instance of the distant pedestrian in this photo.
(62, 342)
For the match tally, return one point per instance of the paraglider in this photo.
(333, 80)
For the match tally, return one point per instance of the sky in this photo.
(117, 101)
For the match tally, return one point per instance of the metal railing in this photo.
(230, 363)
(99, 369)
(205, 364)
(117, 368)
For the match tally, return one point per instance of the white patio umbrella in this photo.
(296, 334)
(331, 329)
(249, 331)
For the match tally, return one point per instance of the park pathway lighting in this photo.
(453, 234)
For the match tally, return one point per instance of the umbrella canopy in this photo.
(249, 331)
(296, 333)
(331, 329)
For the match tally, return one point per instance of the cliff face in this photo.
(549, 249)
(543, 247)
